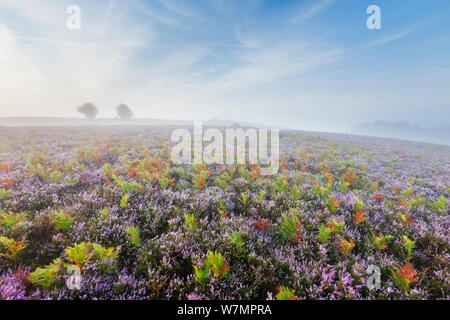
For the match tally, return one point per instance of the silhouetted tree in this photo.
(89, 110)
(124, 112)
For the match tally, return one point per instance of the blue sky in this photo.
(302, 64)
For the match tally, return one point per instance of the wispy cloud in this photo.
(440, 69)
(177, 8)
(390, 37)
(247, 42)
(154, 14)
(52, 66)
(313, 9)
(280, 62)
(230, 59)
(393, 36)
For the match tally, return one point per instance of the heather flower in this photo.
(140, 227)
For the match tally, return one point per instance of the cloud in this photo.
(177, 8)
(225, 60)
(390, 37)
(97, 64)
(247, 42)
(52, 70)
(440, 69)
(401, 34)
(45, 12)
(21, 81)
(156, 15)
(281, 61)
(313, 9)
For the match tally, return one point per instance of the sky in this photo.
(310, 64)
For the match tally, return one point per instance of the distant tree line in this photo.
(90, 111)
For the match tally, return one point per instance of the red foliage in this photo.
(378, 196)
(108, 182)
(9, 183)
(350, 177)
(23, 276)
(297, 237)
(4, 167)
(132, 172)
(223, 213)
(359, 217)
(255, 172)
(409, 220)
(261, 225)
(402, 203)
(407, 271)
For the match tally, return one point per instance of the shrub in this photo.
(199, 179)
(126, 187)
(285, 293)
(62, 220)
(4, 194)
(280, 184)
(236, 240)
(345, 246)
(335, 226)
(359, 205)
(439, 206)
(409, 246)
(134, 234)
(11, 220)
(11, 248)
(190, 222)
(290, 227)
(215, 262)
(261, 195)
(46, 277)
(80, 254)
(332, 204)
(404, 276)
(106, 256)
(381, 242)
(201, 275)
(324, 233)
(261, 225)
(359, 217)
(164, 181)
(243, 198)
(223, 210)
(124, 201)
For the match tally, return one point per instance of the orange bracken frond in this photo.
(402, 203)
(359, 217)
(335, 202)
(261, 225)
(345, 246)
(350, 177)
(223, 213)
(378, 196)
(406, 219)
(408, 272)
(7, 183)
(132, 172)
(4, 166)
(255, 172)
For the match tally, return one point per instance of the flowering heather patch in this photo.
(110, 201)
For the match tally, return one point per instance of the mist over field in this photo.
(399, 130)
(306, 65)
(224, 150)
